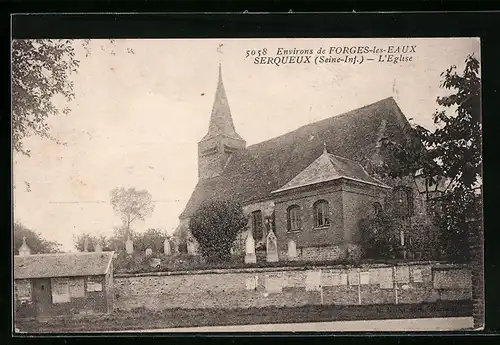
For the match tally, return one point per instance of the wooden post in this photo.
(359, 286)
(395, 283)
(321, 285)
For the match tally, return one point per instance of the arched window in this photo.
(321, 213)
(293, 218)
(404, 201)
(257, 225)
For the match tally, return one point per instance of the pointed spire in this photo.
(221, 121)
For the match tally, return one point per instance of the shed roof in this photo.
(62, 265)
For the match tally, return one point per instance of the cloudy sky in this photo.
(137, 118)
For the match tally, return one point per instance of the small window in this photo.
(404, 201)
(257, 225)
(321, 214)
(293, 218)
(60, 290)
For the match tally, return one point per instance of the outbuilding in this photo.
(46, 285)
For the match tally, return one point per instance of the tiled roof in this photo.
(328, 167)
(253, 173)
(62, 265)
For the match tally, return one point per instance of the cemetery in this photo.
(183, 284)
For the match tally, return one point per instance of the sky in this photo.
(137, 117)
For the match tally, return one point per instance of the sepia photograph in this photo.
(247, 185)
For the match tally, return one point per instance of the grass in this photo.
(134, 265)
(171, 318)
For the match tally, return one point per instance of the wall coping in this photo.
(434, 264)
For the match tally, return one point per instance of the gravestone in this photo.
(250, 257)
(166, 247)
(149, 251)
(129, 246)
(292, 249)
(98, 248)
(86, 244)
(272, 247)
(192, 247)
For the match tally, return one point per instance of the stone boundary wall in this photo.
(293, 286)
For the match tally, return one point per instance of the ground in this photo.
(145, 320)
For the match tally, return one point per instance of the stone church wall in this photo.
(259, 287)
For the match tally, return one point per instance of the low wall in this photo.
(327, 253)
(261, 287)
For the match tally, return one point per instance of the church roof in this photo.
(253, 173)
(328, 167)
(221, 121)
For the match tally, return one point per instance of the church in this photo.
(311, 186)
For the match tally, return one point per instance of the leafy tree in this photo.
(452, 151)
(180, 237)
(120, 235)
(380, 235)
(151, 238)
(215, 225)
(41, 73)
(34, 240)
(79, 242)
(131, 204)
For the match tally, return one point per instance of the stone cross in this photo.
(292, 249)
(250, 257)
(166, 247)
(129, 246)
(86, 244)
(149, 251)
(271, 247)
(24, 249)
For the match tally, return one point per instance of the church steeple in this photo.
(221, 122)
(221, 141)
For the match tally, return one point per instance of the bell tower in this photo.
(221, 141)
